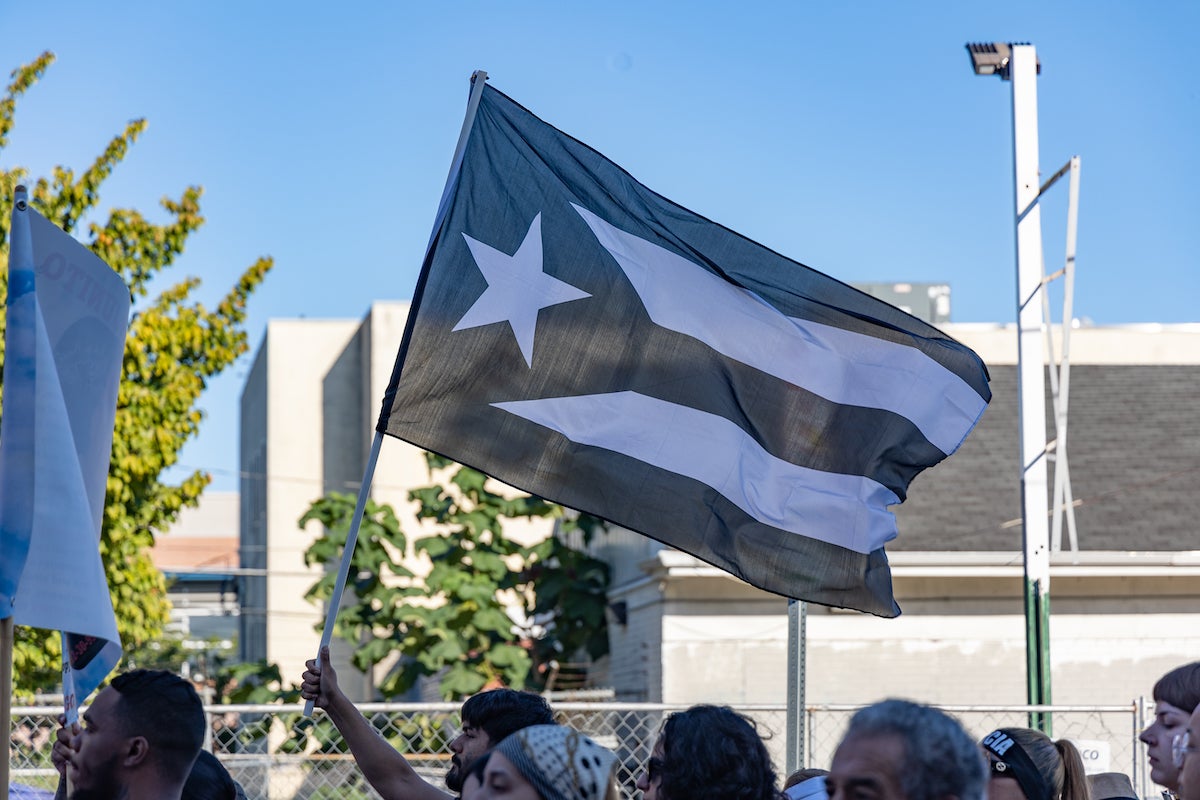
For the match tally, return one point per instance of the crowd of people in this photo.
(142, 740)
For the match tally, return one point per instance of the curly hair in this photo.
(715, 753)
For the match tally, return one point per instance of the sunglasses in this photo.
(654, 768)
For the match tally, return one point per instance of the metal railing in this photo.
(276, 753)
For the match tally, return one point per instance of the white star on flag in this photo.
(517, 288)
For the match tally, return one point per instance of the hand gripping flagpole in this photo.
(335, 601)
(478, 78)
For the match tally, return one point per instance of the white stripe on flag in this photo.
(846, 510)
(839, 365)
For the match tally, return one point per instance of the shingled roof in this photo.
(1134, 454)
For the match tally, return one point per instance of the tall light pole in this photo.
(1018, 64)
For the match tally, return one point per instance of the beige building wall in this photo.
(960, 640)
(309, 410)
(1119, 620)
(282, 461)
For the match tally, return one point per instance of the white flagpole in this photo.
(478, 78)
(339, 587)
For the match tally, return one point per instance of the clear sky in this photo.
(852, 136)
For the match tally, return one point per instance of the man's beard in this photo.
(104, 784)
(454, 778)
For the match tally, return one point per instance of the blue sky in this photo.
(851, 136)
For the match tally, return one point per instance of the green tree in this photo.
(174, 347)
(453, 622)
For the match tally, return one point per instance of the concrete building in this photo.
(682, 632)
(308, 413)
(199, 558)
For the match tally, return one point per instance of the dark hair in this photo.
(715, 752)
(802, 775)
(1059, 763)
(165, 709)
(941, 758)
(1180, 687)
(208, 780)
(477, 767)
(500, 712)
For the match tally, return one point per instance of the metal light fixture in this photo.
(993, 58)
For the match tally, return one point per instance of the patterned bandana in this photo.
(560, 762)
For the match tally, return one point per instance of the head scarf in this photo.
(560, 762)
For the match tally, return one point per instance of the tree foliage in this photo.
(174, 347)
(454, 621)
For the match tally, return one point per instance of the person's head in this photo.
(209, 780)
(1187, 763)
(804, 774)
(472, 784)
(899, 750)
(708, 752)
(806, 784)
(146, 729)
(1026, 764)
(489, 717)
(548, 762)
(1111, 786)
(1176, 696)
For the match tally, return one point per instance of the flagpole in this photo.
(6, 661)
(478, 78)
(335, 601)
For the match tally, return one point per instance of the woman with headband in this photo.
(1027, 765)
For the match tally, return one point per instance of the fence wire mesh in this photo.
(278, 754)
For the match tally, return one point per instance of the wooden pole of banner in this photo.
(7, 628)
(478, 78)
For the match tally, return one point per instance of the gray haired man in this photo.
(899, 750)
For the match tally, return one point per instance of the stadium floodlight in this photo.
(994, 58)
(990, 59)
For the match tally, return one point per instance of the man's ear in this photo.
(137, 751)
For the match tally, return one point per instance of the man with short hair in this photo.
(487, 718)
(899, 750)
(139, 739)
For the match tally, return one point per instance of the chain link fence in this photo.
(276, 753)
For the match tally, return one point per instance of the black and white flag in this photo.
(582, 338)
